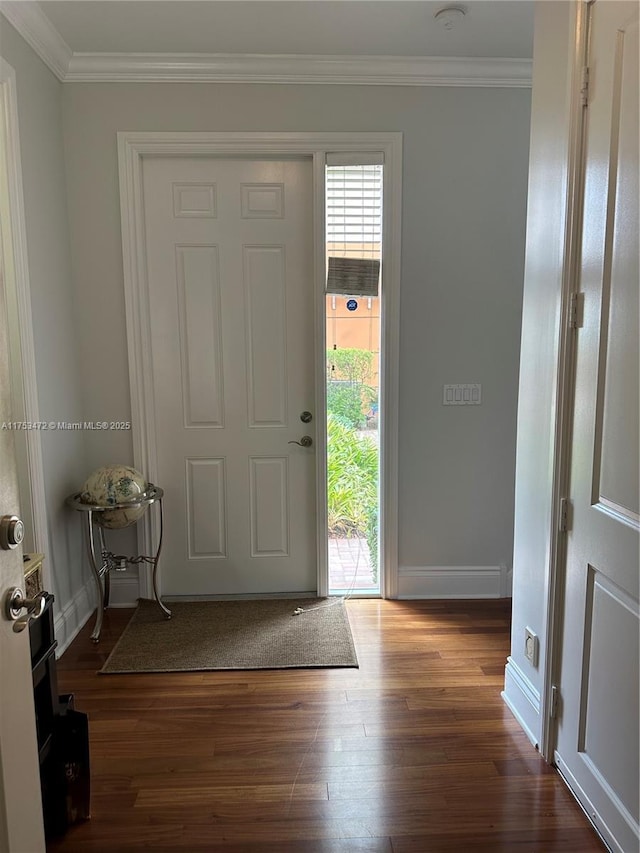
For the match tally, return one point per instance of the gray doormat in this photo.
(264, 634)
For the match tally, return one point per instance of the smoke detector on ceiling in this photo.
(450, 17)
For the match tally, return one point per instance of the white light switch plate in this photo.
(462, 395)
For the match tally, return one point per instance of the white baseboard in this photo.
(125, 590)
(523, 700)
(453, 582)
(74, 615)
(507, 581)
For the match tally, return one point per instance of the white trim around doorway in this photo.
(132, 148)
(565, 369)
(19, 311)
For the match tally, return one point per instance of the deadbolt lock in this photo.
(11, 532)
(306, 417)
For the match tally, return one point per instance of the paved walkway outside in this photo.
(350, 564)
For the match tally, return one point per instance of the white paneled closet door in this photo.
(598, 737)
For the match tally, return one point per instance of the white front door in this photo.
(21, 826)
(598, 740)
(229, 248)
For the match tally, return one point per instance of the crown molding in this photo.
(256, 68)
(69, 67)
(38, 31)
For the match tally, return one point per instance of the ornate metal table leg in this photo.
(163, 607)
(107, 573)
(95, 636)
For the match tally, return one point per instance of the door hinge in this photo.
(576, 310)
(564, 523)
(584, 86)
(555, 702)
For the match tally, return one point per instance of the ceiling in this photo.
(490, 28)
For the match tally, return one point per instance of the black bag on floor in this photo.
(72, 754)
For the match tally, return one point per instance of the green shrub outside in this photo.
(351, 364)
(350, 393)
(345, 402)
(352, 484)
(352, 459)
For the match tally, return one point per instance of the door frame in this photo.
(563, 423)
(565, 370)
(132, 148)
(18, 292)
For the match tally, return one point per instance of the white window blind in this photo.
(354, 227)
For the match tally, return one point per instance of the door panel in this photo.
(230, 271)
(265, 325)
(200, 335)
(618, 392)
(614, 760)
(270, 505)
(206, 508)
(598, 742)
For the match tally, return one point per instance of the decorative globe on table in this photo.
(115, 485)
(114, 497)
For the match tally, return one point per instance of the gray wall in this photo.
(52, 299)
(464, 198)
(464, 201)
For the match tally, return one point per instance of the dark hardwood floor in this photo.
(413, 752)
